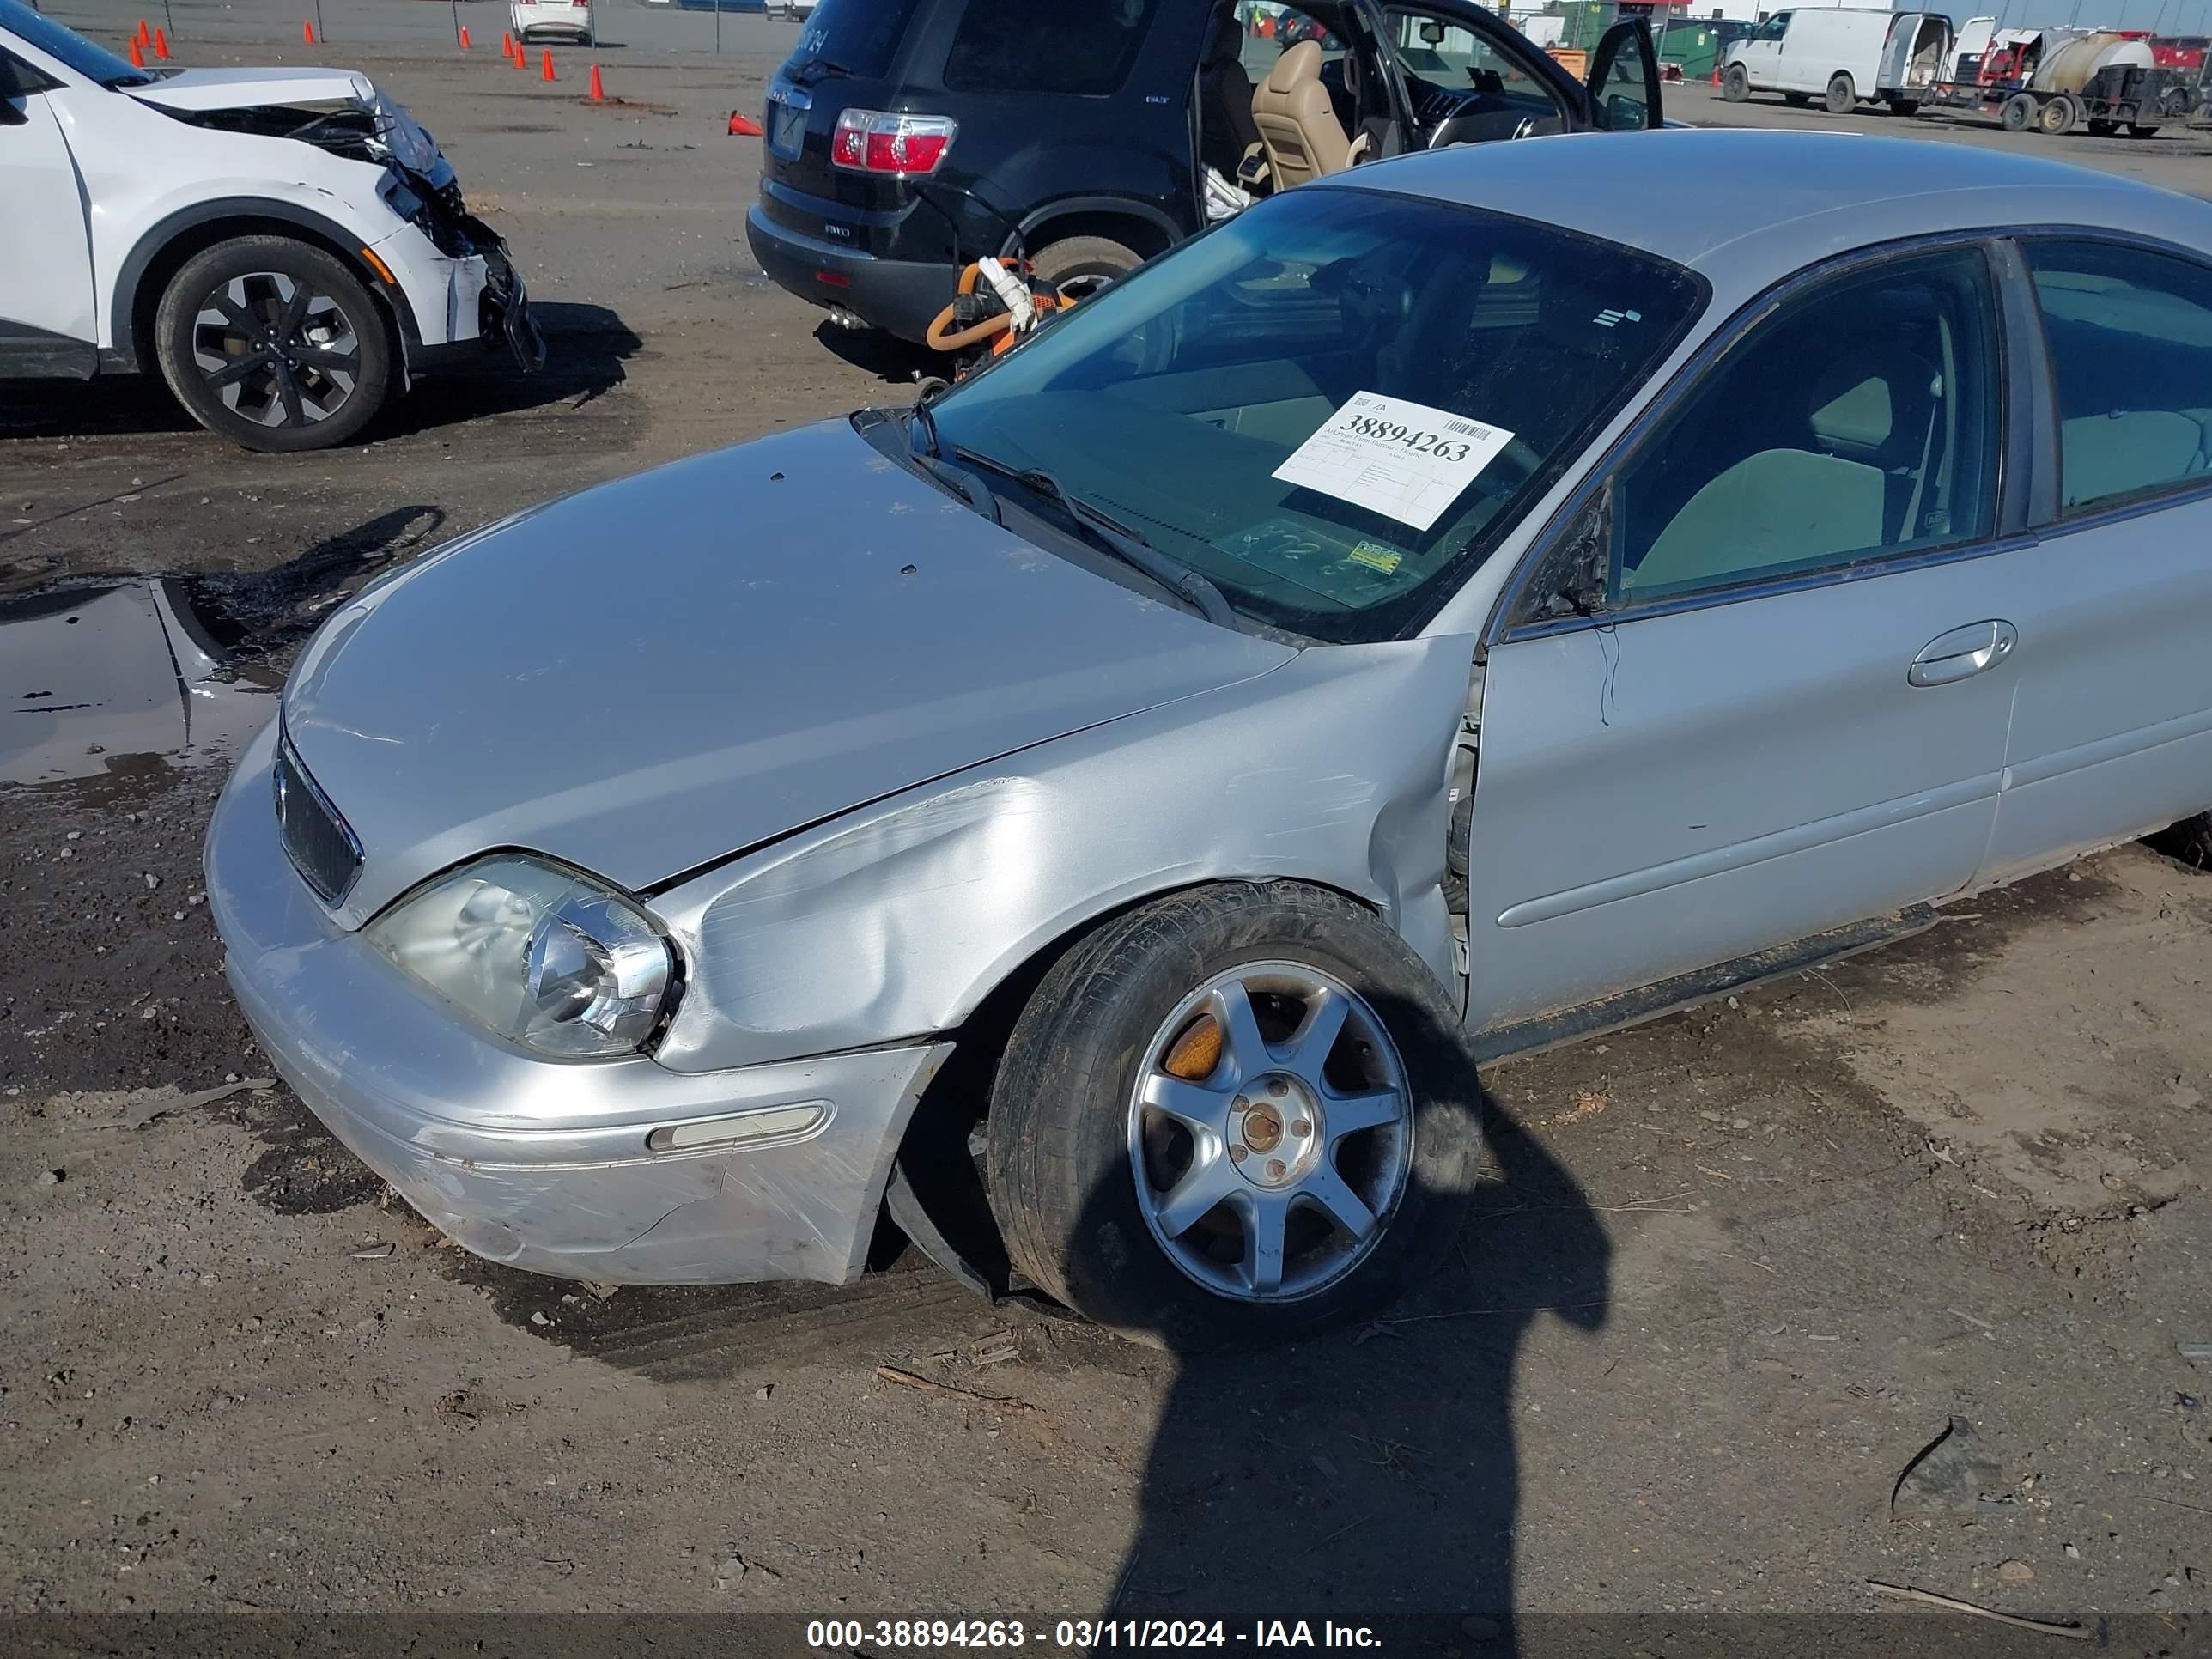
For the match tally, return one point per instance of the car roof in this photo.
(1745, 207)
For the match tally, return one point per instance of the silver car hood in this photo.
(651, 675)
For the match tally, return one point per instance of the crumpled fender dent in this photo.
(898, 919)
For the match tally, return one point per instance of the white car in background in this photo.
(561, 20)
(287, 246)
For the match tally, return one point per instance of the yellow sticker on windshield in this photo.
(1375, 557)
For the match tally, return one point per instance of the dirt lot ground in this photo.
(1739, 1268)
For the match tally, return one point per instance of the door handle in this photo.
(1963, 652)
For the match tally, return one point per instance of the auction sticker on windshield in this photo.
(1403, 459)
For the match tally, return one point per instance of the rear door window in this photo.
(859, 38)
(2130, 334)
(1027, 46)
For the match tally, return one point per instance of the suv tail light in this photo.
(903, 146)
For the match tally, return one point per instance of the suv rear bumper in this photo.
(901, 296)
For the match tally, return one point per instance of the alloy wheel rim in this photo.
(1270, 1133)
(1083, 285)
(275, 350)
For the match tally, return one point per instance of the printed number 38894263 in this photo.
(1421, 443)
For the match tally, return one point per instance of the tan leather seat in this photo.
(1297, 122)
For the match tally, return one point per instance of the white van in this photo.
(1841, 54)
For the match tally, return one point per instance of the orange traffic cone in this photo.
(546, 74)
(521, 58)
(1716, 75)
(598, 92)
(138, 57)
(464, 37)
(744, 126)
(307, 32)
(145, 36)
(161, 43)
(507, 45)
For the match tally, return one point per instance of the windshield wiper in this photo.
(1114, 537)
(968, 486)
(927, 423)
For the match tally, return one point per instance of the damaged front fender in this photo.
(898, 920)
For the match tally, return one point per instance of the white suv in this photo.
(287, 246)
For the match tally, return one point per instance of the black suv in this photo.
(907, 138)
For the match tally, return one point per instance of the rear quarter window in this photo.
(1086, 50)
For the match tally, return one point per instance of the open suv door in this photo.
(1456, 75)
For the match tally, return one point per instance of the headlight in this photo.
(539, 956)
(410, 144)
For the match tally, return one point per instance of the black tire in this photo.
(2018, 113)
(232, 304)
(1842, 96)
(1063, 1181)
(1797, 100)
(2057, 116)
(2189, 841)
(2137, 129)
(2103, 129)
(1735, 83)
(1078, 266)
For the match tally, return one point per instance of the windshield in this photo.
(1334, 405)
(94, 62)
(858, 36)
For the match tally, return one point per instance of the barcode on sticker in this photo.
(1465, 428)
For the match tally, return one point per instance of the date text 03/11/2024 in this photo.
(1084, 1635)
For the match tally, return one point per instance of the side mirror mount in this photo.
(1572, 580)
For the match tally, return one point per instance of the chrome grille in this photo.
(322, 850)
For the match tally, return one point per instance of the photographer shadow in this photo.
(1375, 1473)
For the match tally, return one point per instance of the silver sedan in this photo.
(1452, 606)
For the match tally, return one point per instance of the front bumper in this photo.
(458, 291)
(539, 1163)
(901, 296)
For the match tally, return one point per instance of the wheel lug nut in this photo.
(1240, 1104)
(1278, 1088)
(1237, 1154)
(1301, 1127)
(1276, 1169)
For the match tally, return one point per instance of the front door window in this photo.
(1857, 422)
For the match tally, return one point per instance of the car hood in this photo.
(249, 88)
(651, 675)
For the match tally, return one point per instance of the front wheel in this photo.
(2018, 113)
(273, 344)
(1842, 95)
(1233, 1117)
(1735, 83)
